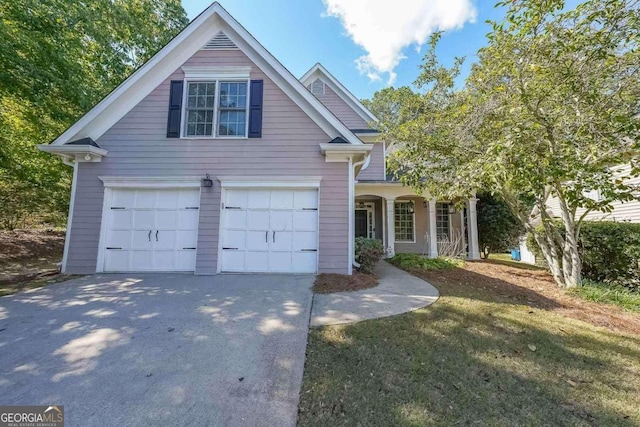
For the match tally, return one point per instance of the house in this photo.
(621, 211)
(213, 157)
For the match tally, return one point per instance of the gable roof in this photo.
(191, 39)
(318, 71)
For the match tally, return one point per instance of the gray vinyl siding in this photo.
(138, 147)
(342, 110)
(375, 171)
(622, 211)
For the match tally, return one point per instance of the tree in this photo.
(549, 108)
(58, 58)
(498, 229)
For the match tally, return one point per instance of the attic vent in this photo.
(218, 42)
(317, 87)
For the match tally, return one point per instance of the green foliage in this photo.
(417, 261)
(550, 105)
(498, 229)
(368, 253)
(610, 252)
(58, 59)
(609, 294)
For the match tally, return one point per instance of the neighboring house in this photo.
(628, 211)
(213, 158)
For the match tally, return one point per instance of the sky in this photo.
(366, 44)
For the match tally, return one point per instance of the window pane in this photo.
(442, 221)
(232, 109)
(404, 221)
(200, 108)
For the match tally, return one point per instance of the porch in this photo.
(408, 223)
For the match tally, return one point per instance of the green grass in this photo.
(409, 261)
(608, 294)
(505, 259)
(472, 358)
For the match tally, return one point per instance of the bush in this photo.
(411, 261)
(498, 229)
(368, 253)
(610, 252)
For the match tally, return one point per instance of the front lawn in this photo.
(502, 346)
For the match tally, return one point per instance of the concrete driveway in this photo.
(159, 349)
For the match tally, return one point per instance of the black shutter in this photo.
(255, 109)
(175, 109)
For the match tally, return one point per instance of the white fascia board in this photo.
(151, 181)
(72, 150)
(345, 148)
(203, 72)
(319, 70)
(144, 80)
(270, 181)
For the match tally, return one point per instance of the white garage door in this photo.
(270, 231)
(151, 230)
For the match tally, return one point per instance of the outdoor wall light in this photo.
(207, 181)
(411, 207)
(424, 204)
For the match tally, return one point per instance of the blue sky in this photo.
(302, 32)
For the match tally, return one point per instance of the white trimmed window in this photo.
(404, 222)
(216, 109)
(443, 226)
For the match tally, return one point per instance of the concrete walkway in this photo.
(397, 292)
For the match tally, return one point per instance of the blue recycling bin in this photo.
(515, 254)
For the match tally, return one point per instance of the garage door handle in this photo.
(274, 237)
(156, 235)
(266, 236)
(149, 235)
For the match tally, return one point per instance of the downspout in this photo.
(352, 212)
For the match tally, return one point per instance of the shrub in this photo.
(498, 229)
(608, 293)
(610, 252)
(368, 253)
(410, 261)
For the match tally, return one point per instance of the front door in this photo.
(361, 223)
(364, 221)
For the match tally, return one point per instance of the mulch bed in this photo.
(534, 288)
(330, 283)
(17, 245)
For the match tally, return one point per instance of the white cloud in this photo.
(385, 28)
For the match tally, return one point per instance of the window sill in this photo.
(404, 241)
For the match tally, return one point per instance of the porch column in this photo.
(472, 227)
(391, 227)
(433, 230)
(384, 222)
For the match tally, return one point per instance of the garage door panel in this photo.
(164, 239)
(119, 239)
(189, 199)
(258, 220)
(186, 239)
(163, 260)
(258, 240)
(281, 221)
(121, 219)
(117, 260)
(168, 199)
(143, 219)
(304, 262)
(305, 240)
(166, 220)
(281, 199)
(141, 260)
(145, 199)
(305, 199)
(188, 219)
(236, 199)
(305, 221)
(123, 199)
(257, 261)
(185, 260)
(280, 262)
(141, 239)
(235, 219)
(235, 239)
(281, 241)
(258, 199)
(233, 260)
